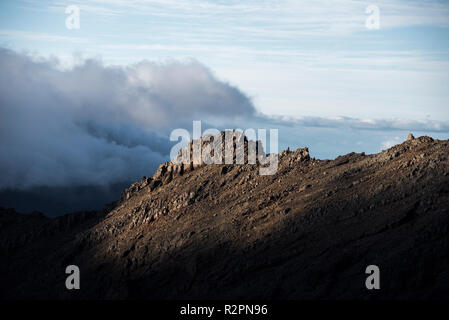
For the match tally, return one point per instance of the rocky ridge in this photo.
(224, 231)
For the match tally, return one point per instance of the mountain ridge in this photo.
(226, 232)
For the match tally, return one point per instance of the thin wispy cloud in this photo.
(362, 124)
(41, 36)
(313, 16)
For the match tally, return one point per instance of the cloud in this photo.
(360, 124)
(96, 124)
(291, 17)
(390, 143)
(40, 36)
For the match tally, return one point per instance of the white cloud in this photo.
(40, 36)
(333, 17)
(390, 143)
(363, 124)
(100, 125)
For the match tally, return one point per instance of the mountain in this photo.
(226, 232)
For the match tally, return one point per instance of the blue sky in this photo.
(296, 58)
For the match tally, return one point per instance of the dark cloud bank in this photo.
(72, 139)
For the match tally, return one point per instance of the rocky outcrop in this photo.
(189, 158)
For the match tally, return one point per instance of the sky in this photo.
(96, 104)
(296, 58)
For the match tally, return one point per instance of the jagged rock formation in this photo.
(224, 231)
(194, 159)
